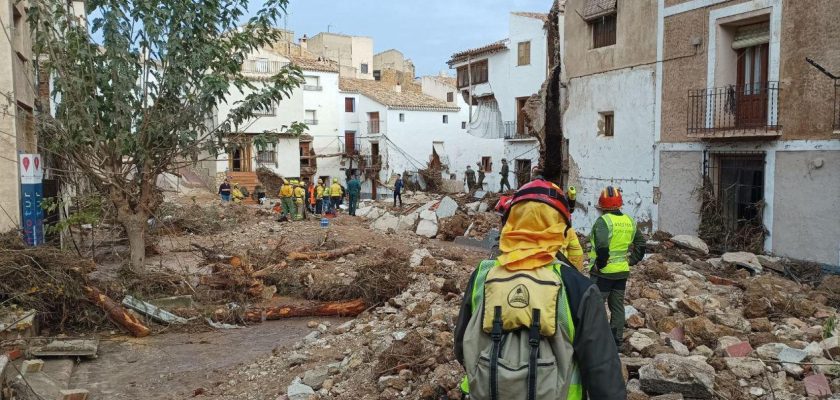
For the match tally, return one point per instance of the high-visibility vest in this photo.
(286, 191)
(335, 190)
(299, 195)
(622, 230)
(319, 191)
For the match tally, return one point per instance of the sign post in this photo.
(31, 192)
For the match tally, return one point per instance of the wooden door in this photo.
(349, 142)
(521, 117)
(751, 90)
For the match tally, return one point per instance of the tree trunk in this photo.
(135, 228)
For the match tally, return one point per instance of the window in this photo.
(310, 118)
(364, 68)
(479, 71)
(603, 31)
(463, 124)
(521, 116)
(524, 53)
(267, 154)
(445, 119)
(608, 122)
(450, 97)
(486, 164)
(261, 65)
(402, 117)
(349, 104)
(304, 152)
(312, 83)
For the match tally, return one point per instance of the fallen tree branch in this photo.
(324, 255)
(350, 308)
(116, 313)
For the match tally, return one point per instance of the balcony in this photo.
(747, 111)
(263, 67)
(375, 127)
(370, 162)
(512, 133)
(312, 88)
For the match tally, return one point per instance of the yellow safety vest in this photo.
(335, 190)
(300, 194)
(622, 230)
(286, 191)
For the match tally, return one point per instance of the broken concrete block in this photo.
(446, 208)
(743, 259)
(691, 242)
(427, 228)
(770, 350)
(817, 385)
(640, 342)
(67, 348)
(73, 394)
(417, 257)
(483, 207)
(670, 373)
(472, 206)
(374, 213)
(386, 222)
(742, 349)
(791, 355)
(744, 367)
(315, 378)
(428, 215)
(407, 222)
(299, 391)
(31, 366)
(364, 211)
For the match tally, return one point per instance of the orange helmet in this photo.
(610, 199)
(545, 192)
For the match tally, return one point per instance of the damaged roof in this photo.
(385, 94)
(491, 48)
(314, 64)
(535, 15)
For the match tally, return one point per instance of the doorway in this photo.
(521, 117)
(239, 158)
(752, 87)
(523, 172)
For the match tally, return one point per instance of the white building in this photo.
(354, 54)
(398, 129)
(498, 79)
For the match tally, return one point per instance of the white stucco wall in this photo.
(625, 160)
(328, 104)
(436, 88)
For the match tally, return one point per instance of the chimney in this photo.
(302, 42)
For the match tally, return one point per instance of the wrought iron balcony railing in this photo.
(734, 111)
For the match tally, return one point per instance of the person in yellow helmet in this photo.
(336, 193)
(319, 197)
(299, 194)
(236, 194)
(286, 200)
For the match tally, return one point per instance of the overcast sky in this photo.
(426, 31)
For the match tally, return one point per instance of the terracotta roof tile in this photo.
(486, 49)
(386, 95)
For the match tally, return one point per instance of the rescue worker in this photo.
(480, 184)
(469, 176)
(354, 189)
(616, 246)
(398, 187)
(300, 196)
(335, 194)
(309, 201)
(327, 199)
(319, 197)
(526, 306)
(236, 194)
(286, 200)
(504, 173)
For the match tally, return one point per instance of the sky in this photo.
(426, 31)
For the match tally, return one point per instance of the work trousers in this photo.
(354, 203)
(470, 185)
(288, 204)
(318, 206)
(397, 196)
(503, 184)
(336, 201)
(612, 290)
(300, 211)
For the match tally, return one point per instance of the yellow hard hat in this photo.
(335, 180)
(285, 181)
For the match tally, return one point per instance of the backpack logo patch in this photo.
(519, 297)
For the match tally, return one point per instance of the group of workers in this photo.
(237, 194)
(472, 184)
(297, 198)
(532, 325)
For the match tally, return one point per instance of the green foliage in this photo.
(138, 100)
(828, 327)
(83, 210)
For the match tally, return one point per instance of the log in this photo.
(116, 313)
(350, 308)
(324, 255)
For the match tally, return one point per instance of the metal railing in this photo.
(310, 121)
(747, 110)
(313, 88)
(510, 129)
(271, 111)
(352, 150)
(263, 66)
(371, 162)
(376, 126)
(266, 157)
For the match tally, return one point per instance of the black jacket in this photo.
(595, 351)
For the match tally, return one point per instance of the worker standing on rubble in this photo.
(224, 191)
(286, 200)
(354, 190)
(300, 196)
(504, 173)
(398, 187)
(616, 246)
(469, 176)
(335, 194)
(310, 196)
(527, 309)
(480, 184)
(319, 197)
(327, 199)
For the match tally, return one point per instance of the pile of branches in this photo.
(49, 281)
(411, 353)
(375, 282)
(719, 232)
(198, 220)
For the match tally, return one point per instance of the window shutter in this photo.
(594, 9)
(751, 35)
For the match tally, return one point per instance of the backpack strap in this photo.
(496, 337)
(534, 342)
